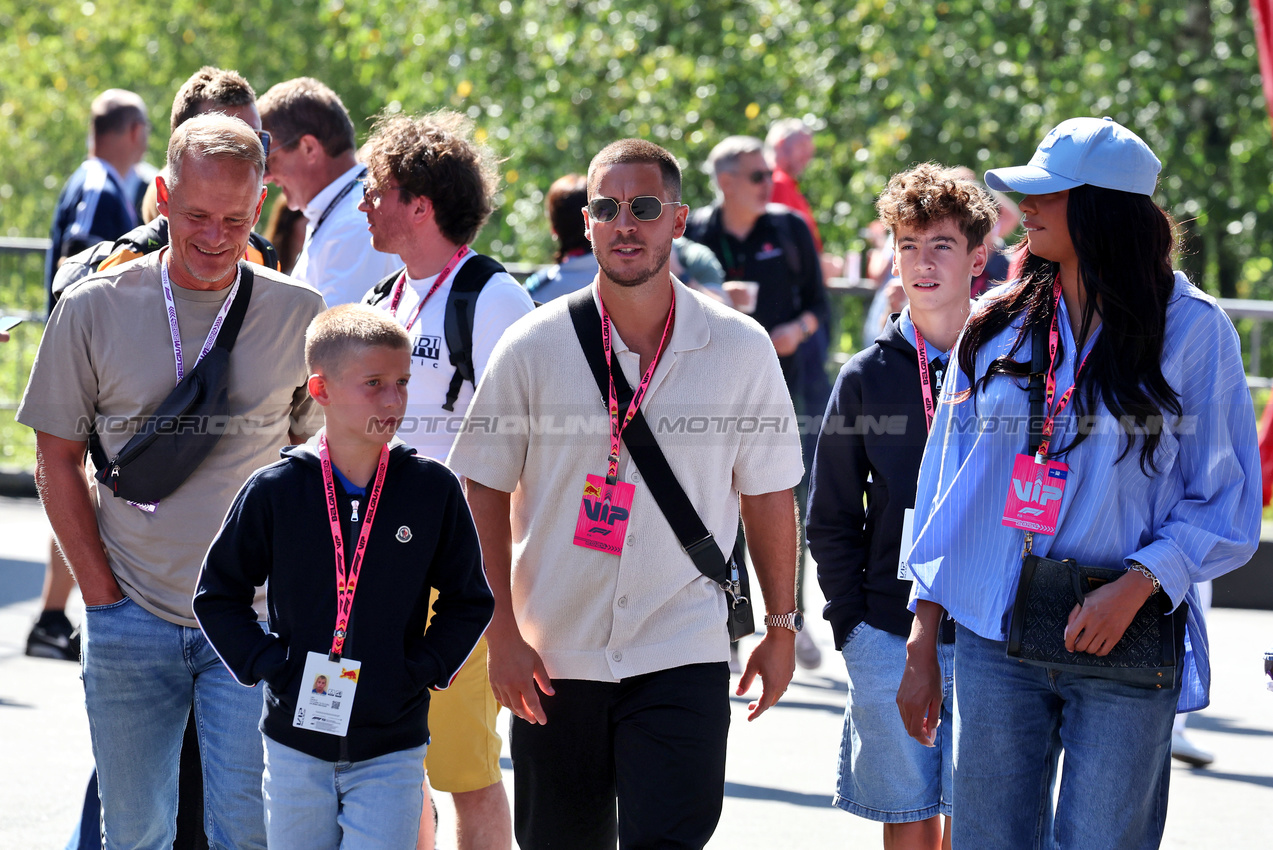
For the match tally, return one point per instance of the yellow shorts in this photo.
(464, 747)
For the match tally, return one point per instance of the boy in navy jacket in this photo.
(351, 531)
(869, 449)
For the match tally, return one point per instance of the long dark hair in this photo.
(1124, 243)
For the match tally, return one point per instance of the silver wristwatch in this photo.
(793, 621)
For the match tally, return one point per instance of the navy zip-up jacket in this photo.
(871, 444)
(423, 537)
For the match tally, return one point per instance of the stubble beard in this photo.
(636, 277)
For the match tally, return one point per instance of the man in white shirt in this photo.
(428, 192)
(608, 643)
(314, 160)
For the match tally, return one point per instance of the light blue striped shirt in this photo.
(1197, 518)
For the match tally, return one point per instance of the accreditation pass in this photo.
(326, 699)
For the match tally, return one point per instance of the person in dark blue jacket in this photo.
(352, 531)
(862, 493)
(94, 205)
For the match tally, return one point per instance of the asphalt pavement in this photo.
(781, 768)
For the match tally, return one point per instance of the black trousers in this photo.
(639, 762)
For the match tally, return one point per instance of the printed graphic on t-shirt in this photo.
(428, 347)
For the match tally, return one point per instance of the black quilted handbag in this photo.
(1148, 652)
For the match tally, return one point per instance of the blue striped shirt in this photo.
(1197, 518)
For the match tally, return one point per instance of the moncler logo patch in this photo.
(404, 534)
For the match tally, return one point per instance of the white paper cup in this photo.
(743, 293)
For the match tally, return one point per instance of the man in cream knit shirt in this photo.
(615, 662)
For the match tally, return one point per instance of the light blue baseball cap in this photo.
(1091, 151)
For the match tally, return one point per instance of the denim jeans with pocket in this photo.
(141, 674)
(1013, 720)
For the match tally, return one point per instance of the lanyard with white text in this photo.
(347, 577)
(1054, 341)
(175, 330)
(442, 276)
(925, 386)
(617, 426)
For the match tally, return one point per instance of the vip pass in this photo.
(1038, 484)
(606, 506)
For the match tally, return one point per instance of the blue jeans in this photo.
(311, 804)
(884, 774)
(1012, 720)
(141, 674)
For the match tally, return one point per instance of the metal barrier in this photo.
(1258, 312)
(22, 294)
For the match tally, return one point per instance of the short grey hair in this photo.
(728, 151)
(784, 129)
(116, 111)
(214, 135)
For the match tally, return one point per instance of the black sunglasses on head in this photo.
(643, 207)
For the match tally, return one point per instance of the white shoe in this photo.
(1188, 752)
(808, 655)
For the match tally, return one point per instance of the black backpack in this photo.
(461, 307)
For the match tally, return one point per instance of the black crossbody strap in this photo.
(686, 524)
(234, 319)
(225, 339)
(1038, 372)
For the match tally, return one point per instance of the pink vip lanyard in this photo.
(1054, 341)
(925, 385)
(175, 330)
(437, 284)
(617, 426)
(347, 577)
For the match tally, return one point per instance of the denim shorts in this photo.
(884, 774)
(311, 804)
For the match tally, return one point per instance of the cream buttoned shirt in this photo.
(537, 426)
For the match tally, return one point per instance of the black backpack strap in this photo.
(461, 310)
(381, 290)
(226, 338)
(234, 319)
(269, 256)
(1038, 373)
(686, 524)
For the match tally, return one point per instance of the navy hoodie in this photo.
(422, 538)
(871, 444)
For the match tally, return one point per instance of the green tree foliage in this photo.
(548, 82)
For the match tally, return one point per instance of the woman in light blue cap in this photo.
(1142, 459)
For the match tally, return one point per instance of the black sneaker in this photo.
(58, 639)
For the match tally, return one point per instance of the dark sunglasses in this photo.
(264, 136)
(759, 176)
(643, 207)
(373, 195)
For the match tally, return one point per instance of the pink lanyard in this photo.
(617, 427)
(347, 578)
(442, 276)
(1054, 341)
(925, 385)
